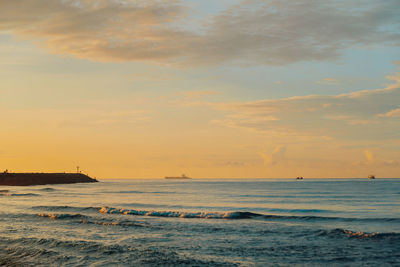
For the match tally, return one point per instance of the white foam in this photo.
(176, 214)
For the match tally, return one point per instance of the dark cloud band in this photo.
(274, 32)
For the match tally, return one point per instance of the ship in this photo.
(299, 178)
(26, 179)
(182, 177)
(371, 176)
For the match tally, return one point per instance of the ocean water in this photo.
(199, 222)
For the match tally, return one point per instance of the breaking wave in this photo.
(359, 235)
(207, 214)
(179, 214)
(232, 215)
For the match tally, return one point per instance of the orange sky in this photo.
(172, 87)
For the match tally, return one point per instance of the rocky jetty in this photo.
(24, 179)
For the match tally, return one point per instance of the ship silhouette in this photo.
(182, 177)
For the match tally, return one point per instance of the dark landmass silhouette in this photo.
(25, 179)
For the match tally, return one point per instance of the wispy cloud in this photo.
(274, 32)
(350, 116)
(197, 94)
(394, 113)
(275, 157)
(369, 156)
(392, 163)
(328, 81)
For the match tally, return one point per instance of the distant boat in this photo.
(371, 177)
(299, 178)
(183, 177)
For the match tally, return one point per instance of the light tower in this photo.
(77, 169)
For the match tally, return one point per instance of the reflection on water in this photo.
(202, 222)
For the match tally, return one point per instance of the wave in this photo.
(65, 208)
(296, 196)
(89, 220)
(359, 235)
(47, 189)
(197, 207)
(26, 195)
(7, 193)
(33, 251)
(43, 251)
(143, 192)
(113, 223)
(61, 216)
(300, 210)
(200, 207)
(322, 218)
(233, 215)
(179, 214)
(214, 215)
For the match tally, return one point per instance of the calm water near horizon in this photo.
(203, 222)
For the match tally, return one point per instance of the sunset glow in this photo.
(212, 89)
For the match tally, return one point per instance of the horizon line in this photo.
(161, 178)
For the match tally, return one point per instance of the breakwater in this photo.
(25, 179)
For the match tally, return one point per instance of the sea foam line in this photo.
(179, 214)
(233, 215)
(359, 235)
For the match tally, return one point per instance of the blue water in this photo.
(199, 222)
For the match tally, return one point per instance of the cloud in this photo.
(347, 116)
(392, 163)
(327, 81)
(369, 156)
(233, 164)
(394, 113)
(197, 94)
(274, 32)
(98, 30)
(351, 120)
(275, 157)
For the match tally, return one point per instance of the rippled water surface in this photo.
(276, 222)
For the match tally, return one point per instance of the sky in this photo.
(211, 89)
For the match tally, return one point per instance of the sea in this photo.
(202, 222)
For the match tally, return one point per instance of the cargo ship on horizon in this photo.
(182, 177)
